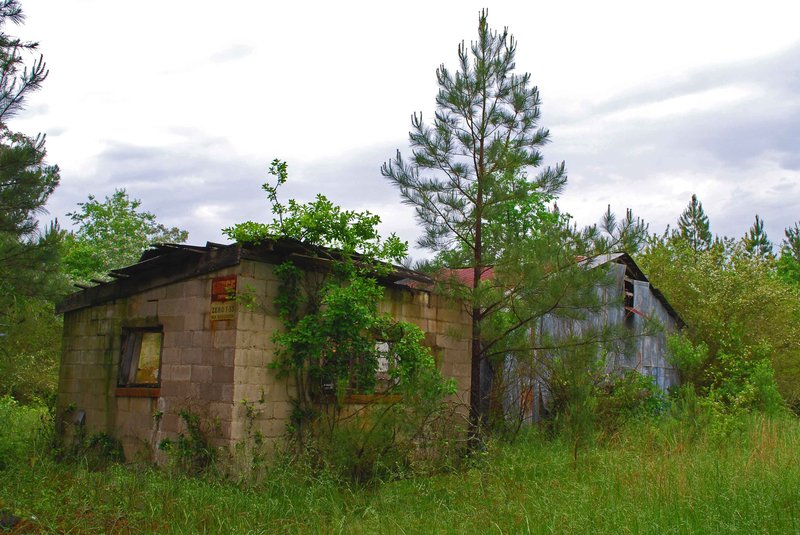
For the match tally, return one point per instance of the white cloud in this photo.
(185, 103)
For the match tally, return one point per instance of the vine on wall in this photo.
(335, 342)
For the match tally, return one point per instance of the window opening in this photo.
(629, 295)
(140, 357)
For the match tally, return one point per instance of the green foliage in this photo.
(111, 234)
(693, 226)
(334, 337)
(664, 476)
(627, 395)
(591, 402)
(626, 235)
(733, 304)
(738, 377)
(468, 178)
(788, 270)
(29, 258)
(191, 452)
(30, 350)
(322, 224)
(791, 245)
(788, 265)
(690, 359)
(756, 242)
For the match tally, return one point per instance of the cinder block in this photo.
(176, 372)
(171, 323)
(224, 338)
(170, 423)
(209, 391)
(201, 374)
(238, 430)
(178, 339)
(200, 338)
(175, 291)
(143, 308)
(228, 357)
(212, 356)
(178, 391)
(250, 321)
(222, 374)
(191, 355)
(197, 288)
(262, 270)
(222, 411)
(175, 306)
(195, 321)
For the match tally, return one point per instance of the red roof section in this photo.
(467, 275)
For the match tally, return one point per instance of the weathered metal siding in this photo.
(646, 354)
(652, 350)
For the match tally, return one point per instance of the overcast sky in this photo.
(185, 103)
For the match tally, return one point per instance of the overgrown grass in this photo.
(665, 477)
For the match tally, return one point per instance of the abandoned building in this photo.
(165, 335)
(630, 301)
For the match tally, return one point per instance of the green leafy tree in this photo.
(112, 234)
(469, 169)
(756, 242)
(732, 304)
(693, 226)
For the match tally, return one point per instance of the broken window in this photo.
(629, 296)
(140, 357)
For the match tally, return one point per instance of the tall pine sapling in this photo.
(788, 265)
(791, 245)
(693, 226)
(756, 241)
(473, 159)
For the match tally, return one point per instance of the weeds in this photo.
(672, 474)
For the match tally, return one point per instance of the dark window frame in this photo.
(129, 354)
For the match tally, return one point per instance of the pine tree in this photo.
(693, 226)
(756, 241)
(28, 257)
(468, 170)
(791, 245)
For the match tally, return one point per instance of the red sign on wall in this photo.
(223, 292)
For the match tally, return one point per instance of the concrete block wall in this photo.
(88, 374)
(447, 327)
(253, 381)
(210, 368)
(197, 366)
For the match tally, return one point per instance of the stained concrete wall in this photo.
(208, 367)
(446, 325)
(197, 363)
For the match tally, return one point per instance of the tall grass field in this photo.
(660, 477)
